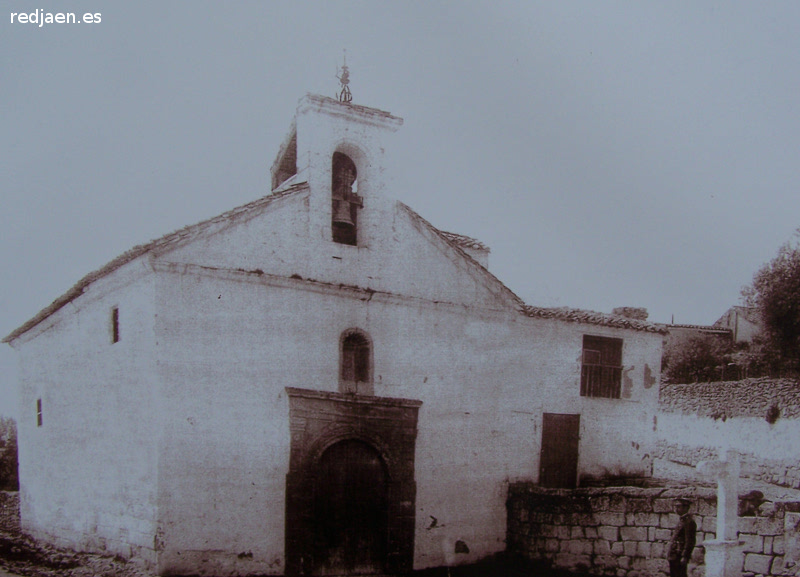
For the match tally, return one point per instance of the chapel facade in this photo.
(319, 382)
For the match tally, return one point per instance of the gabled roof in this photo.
(459, 241)
(157, 246)
(456, 241)
(252, 209)
(750, 314)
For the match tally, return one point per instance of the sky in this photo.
(609, 153)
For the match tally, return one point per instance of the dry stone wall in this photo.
(724, 400)
(624, 531)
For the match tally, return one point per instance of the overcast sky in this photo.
(609, 153)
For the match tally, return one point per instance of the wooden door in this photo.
(559, 458)
(350, 511)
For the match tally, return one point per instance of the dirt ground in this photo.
(19, 555)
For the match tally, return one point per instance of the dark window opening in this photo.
(115, 325)
(601, 371)
(286, 165)
(355, 365)
(38, 412)
(345, 201)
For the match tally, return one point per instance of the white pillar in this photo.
(724, 557)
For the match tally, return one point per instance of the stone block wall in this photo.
(624, 531)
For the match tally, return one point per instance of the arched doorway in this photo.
(350, 510)
(350, 490)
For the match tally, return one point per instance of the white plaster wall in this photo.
(484, 385)
(748, 435)
(746, 331)
(223, 352)
(229, 345)
(88, 474)
(401, 257)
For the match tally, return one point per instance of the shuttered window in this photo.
(601, 370)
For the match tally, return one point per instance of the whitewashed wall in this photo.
(230, 342)
(88, 474)
(744, 434)
(767, 452)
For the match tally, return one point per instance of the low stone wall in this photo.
(624, 531)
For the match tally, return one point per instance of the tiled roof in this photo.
(699, 327)
(748, 313)
(464, 241)
(161, 244)
(592, 318)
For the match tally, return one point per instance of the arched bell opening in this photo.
(345, 199)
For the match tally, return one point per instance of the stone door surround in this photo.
(318, 420)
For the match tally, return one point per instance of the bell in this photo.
(341, 214)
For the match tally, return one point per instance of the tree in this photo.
(700, 358)
(775, 293)
(9, 472)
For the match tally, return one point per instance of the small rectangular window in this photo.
(38, 412)
(115, 325)
(601, 370)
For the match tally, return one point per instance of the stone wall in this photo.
(624, 531)
(9, 511)
(723, 400)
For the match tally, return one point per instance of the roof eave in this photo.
(159, 245)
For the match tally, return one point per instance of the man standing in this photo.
(682, 541)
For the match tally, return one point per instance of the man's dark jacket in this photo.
(683, 539)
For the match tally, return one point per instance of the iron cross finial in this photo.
(344, 79)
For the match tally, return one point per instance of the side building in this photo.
(319, 382)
